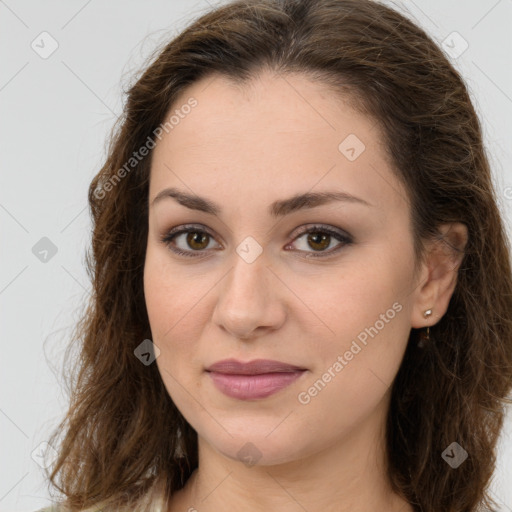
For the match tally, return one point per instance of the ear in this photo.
(438, 275)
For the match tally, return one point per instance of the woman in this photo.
(302, 284)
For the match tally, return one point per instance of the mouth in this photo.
(253, 380)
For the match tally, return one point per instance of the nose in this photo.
(251, 300)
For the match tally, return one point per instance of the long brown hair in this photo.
(122, 436)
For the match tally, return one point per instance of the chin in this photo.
(256, 448)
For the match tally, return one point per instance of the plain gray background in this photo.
(56, 112)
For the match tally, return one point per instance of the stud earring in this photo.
(425, 336)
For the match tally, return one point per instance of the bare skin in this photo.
(244, 148)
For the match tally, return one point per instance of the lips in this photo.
(255, 367)
(253, 380)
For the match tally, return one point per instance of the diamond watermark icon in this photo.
(44, 45)
(249, 249)
(44, 455)
(351, 147)
(454, 45)
(455, 455)
(249, 454)
(147, 352)
(44, 250)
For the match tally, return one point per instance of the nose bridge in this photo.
(249, 274)
(245, 301)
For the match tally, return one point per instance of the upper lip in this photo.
(254, 367)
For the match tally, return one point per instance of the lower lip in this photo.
(246, 387)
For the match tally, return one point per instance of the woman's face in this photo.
(255, 286)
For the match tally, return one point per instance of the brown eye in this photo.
(192, 240)
(319, 239)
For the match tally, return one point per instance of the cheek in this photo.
(171, 301)
(367, 313)
(353, 374)
(368, 291)
(175, 312)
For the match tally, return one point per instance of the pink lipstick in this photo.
(254, 379)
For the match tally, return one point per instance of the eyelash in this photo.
(317, 229)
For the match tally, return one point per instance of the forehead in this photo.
(271, 136)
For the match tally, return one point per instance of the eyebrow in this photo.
(276, 209)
